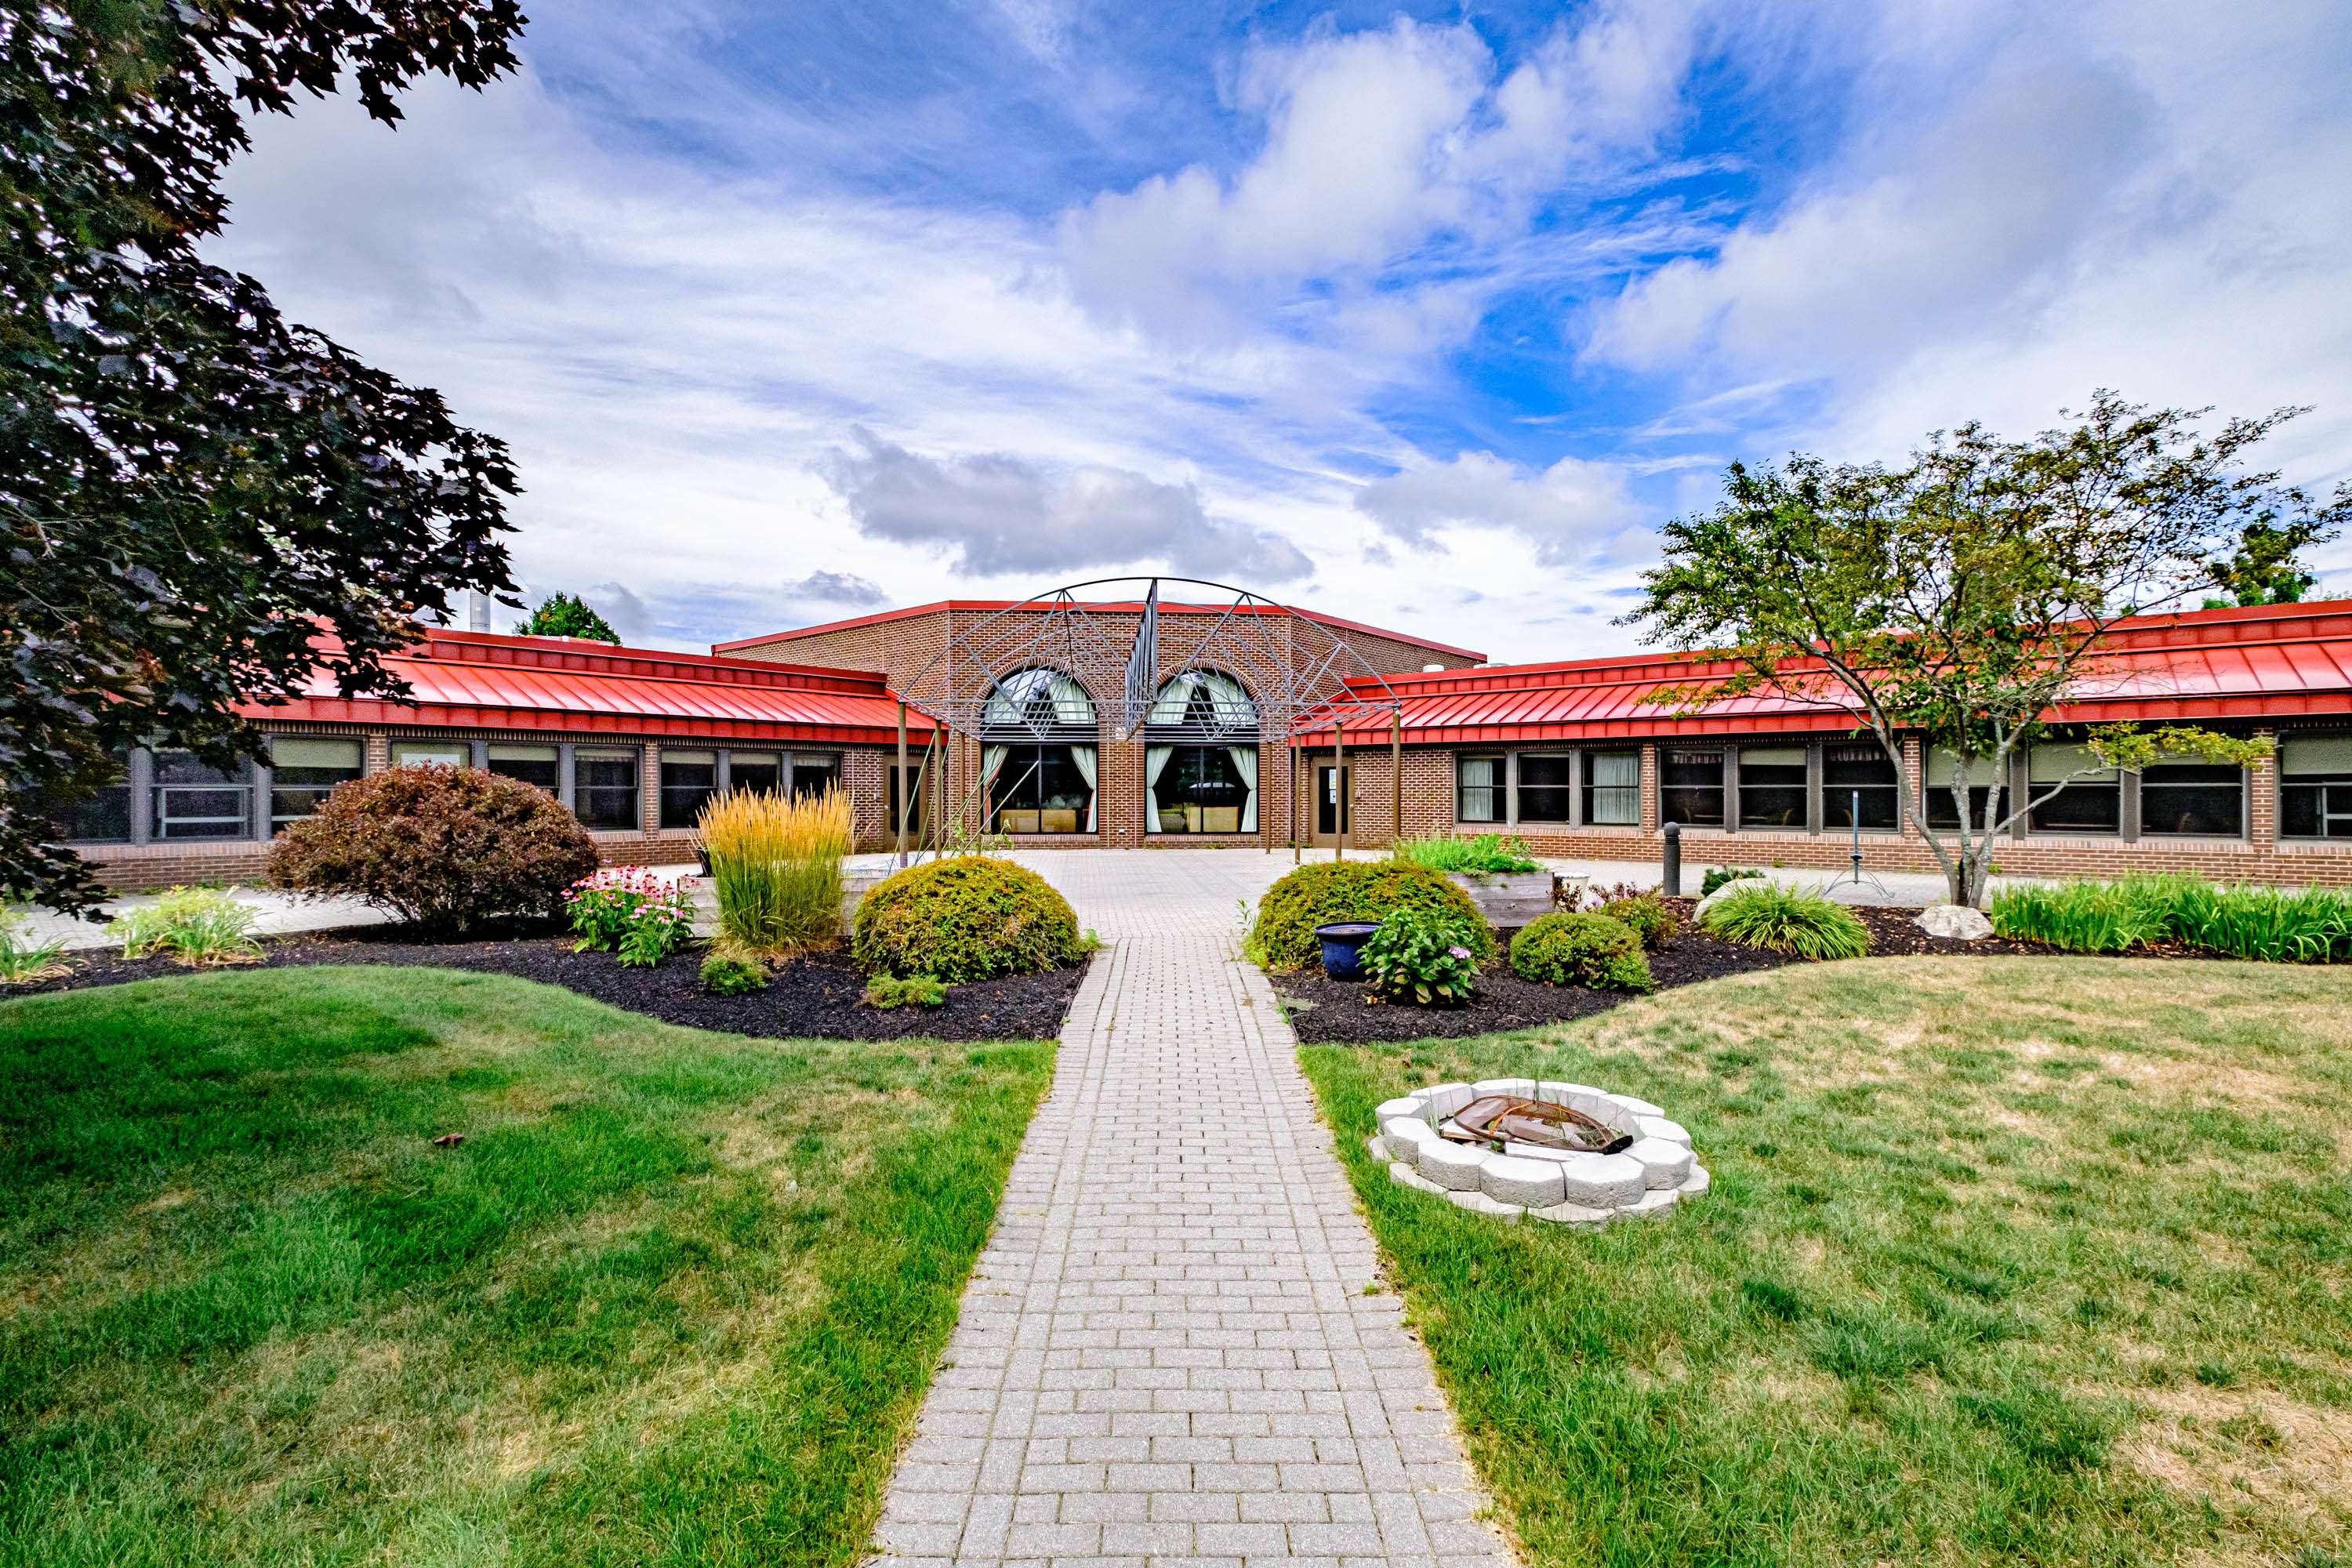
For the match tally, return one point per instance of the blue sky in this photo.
(1420, 314)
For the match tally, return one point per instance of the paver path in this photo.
(1166, 1351)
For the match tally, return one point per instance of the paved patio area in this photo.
(1166, 1353)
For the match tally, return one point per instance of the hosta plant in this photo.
(1420, 956)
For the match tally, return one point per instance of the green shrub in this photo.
(1417, 956)
(1654, 920)
(1784, 920)
(1486, 852)
(24, 962)
(197, 926)
(1719, 875)
(890, 993)
(1284, 935)
(1591, 950)
(449, 848)
(731, 974)
(2264, 924)
(965, 917)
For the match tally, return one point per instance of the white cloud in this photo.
(1568, 511)
(994, 514)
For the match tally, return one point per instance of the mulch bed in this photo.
(819, 997)
(1326, 1010)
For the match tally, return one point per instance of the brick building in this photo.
(1571, 756)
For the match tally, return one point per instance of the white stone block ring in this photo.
(1563, 1153)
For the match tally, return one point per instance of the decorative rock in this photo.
(1955, 921)
(1567, 1093)
(1654, 1206)
(1659, 1127)
(1446, 1098)
(1479, 1202)
(1638, 1107)
(1453, 1165)
(1519, 1087)
(1531, 1184)
(1377, 1147)
(1696, 1183)
(1404, 1136)
(1664, 1162)
(1404, 1176)
(1411, 1105)
(1603, 1180)
(1574, 1214)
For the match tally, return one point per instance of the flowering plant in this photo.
(628, 909)
(1423, 956)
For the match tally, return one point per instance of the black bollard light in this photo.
(1672, 884)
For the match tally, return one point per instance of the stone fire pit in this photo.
(1649, 1172)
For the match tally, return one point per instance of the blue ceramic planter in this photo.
(1343, 947)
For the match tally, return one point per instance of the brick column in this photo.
(379, 753)
(2261, 794)
(1914, 805)
(1649, 786)
(650, 789)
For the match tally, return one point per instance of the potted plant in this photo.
(1343, 947)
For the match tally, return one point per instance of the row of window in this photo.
(188, 799)
(1774, 787)
(1051, 788)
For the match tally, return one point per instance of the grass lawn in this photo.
(675, 1299)
(2007, 1260)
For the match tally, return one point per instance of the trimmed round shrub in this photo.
(966, 917)
(1320, 894)
(1784, 920)
(446, 848)
(1654, 920)
(1581, 950)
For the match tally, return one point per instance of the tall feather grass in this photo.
(775, 868)
(2268, 925)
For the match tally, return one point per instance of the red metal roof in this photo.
(990, 606)
(2277, 661)
(477, 680)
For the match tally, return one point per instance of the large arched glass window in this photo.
(1037, 735)
(1201, 754)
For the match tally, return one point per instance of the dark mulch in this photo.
(819, 997)
(1326, 1010)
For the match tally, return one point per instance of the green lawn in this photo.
(673, 1300)
(2007, 1260)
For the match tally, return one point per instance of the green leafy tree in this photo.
(2267, 566)
(564, 615)
(1964, 594)
(202, 504)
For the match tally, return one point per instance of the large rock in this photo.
(1957, 922)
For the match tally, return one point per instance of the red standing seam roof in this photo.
(2272, 662)
(481, 680)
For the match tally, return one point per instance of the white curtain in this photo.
(1616, 788)
(992, 762)
(1245, 763)
(1235, 709)
(1084, 756)
(1170, 707)
(1478, 791)
(1071, 703)
(1155, 762)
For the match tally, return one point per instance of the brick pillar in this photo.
(379, 753)
(2261, 794)
(650, 789)
(1649, 786)
(1915, 768)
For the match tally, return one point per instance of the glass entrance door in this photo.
(1331, 792)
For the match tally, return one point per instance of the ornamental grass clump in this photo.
(1589, 950)
(775, 868)
(965, 917)
(2083, 917)
(2269, 925)
(1420, 957)
(196, 926)
(1784, 920)
(1284, 935)
(24, 962)
(1487, 852)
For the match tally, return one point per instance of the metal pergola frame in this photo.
(1300, 676)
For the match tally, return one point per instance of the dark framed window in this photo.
(1772, 786)
(2192, 799)
(2315, 786)
(304, 771)
(1043, 789)
(1547, 787)
(761, 772)
(2093, 800)
(542, 766)
(1936, 791)
(604, 786)
(1478, 789)
(688, 780)
(1690, 788)
(432, 754)
(1203, 789)
(101, 816)
(1613, 789)
(196, 800)
(813, 773)
(1858, 784)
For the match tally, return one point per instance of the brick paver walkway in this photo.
(1166, 1353)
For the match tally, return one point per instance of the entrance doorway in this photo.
(1333, 789)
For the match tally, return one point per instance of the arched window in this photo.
(1201, 755)
(1038, 734)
